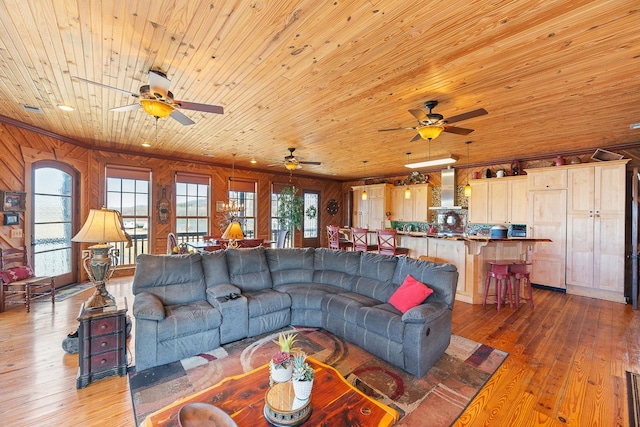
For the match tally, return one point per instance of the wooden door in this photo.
(478, 202)
(421, 195)
(580, 226)
(311, 221)
(548, 219)
(518, 201)
(498, 201)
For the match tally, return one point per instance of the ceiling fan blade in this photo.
(416, 138)
(126, 108)
(387, 130)
(159, 84)
(467, 115)
(206, 108)
(181, 118)
(457, 131)
(105, 86)
(419, 115)
(311, 163)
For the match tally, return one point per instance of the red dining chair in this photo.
(388, 243)
(335, 242)
(360, 238)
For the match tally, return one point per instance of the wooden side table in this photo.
(102, 348)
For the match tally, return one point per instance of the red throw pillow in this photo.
(410, 294)
(17, 273)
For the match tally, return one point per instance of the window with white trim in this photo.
(243, 194)
(127, 191)
(192, 207)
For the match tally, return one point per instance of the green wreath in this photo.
(311, 212)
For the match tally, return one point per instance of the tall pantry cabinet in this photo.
(596, 230)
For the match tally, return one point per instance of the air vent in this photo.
(32, 109)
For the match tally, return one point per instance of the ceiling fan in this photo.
(292, 162)
(156, 99)
(430, 125)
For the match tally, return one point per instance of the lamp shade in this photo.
(430, 131)
(291, 164)
(156, 108)
(233, 231)
(102, 225)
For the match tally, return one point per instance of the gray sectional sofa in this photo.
(182, 305)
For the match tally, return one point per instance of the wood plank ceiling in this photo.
(557, 77)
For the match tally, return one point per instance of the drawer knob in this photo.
(103, 361)
(103, 327)
(104, 344)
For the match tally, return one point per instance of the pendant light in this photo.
(467, 188)
(364, 192)
(407, 190)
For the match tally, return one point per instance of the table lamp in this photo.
(100, 260)
(233, 233)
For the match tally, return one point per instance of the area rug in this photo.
(633, 396)
(68, 292)
(436, 399)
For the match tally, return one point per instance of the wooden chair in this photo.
(171, 243)
(250, 243)
(360, 238)
(282, 238)
(335, 242)
(18, 283)
(388, 243)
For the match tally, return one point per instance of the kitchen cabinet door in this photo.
(478, 202)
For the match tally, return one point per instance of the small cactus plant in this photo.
(302, 371)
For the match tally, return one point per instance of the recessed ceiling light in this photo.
(66, 107)
(146, 144)
(207, 155)
(253, 161)
(635, 126)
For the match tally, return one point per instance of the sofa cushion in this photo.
(266, 301)
(188, 319)
(290, 265)
(337, 268)
(216, 271)
(248, 268)
(345, 306)
(148, 306)
(384, 320)
(376, 274)
(410, 294)
(442, 278)
(308, 296)
(175, 279)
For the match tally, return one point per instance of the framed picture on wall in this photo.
(13, 201)
(11, 219)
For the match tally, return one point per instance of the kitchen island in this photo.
(470, 254)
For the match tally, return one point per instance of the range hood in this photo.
(448, 191)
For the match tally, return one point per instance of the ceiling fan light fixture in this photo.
(430, 131)
(435, 162)
(291, 165)
(156, 108)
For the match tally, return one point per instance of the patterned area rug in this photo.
(633, 396)
(68, 292)
(437, 399)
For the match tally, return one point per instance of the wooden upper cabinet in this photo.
(416, 208)
(552, 178)
(478, 202)
(370, 213)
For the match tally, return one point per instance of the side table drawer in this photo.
(103, 361)
(104, 343)
(103, 326)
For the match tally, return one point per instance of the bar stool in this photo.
(499, 270)
(518, 272)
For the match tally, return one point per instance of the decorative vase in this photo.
(559, 161)
(281, 374)
(302, 389)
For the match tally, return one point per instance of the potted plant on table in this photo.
(302, 377)
(280, 368)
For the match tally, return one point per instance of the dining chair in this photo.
(335, 242)
(171, 243)
(388, 243)
(18, 283)
(282, 238)
(360, 238)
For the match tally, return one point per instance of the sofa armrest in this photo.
(424, 313)
(220, 291)
(148, 306)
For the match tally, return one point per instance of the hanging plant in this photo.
(311, 212)
(290, 208)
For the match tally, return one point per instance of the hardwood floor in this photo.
(566, 365)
